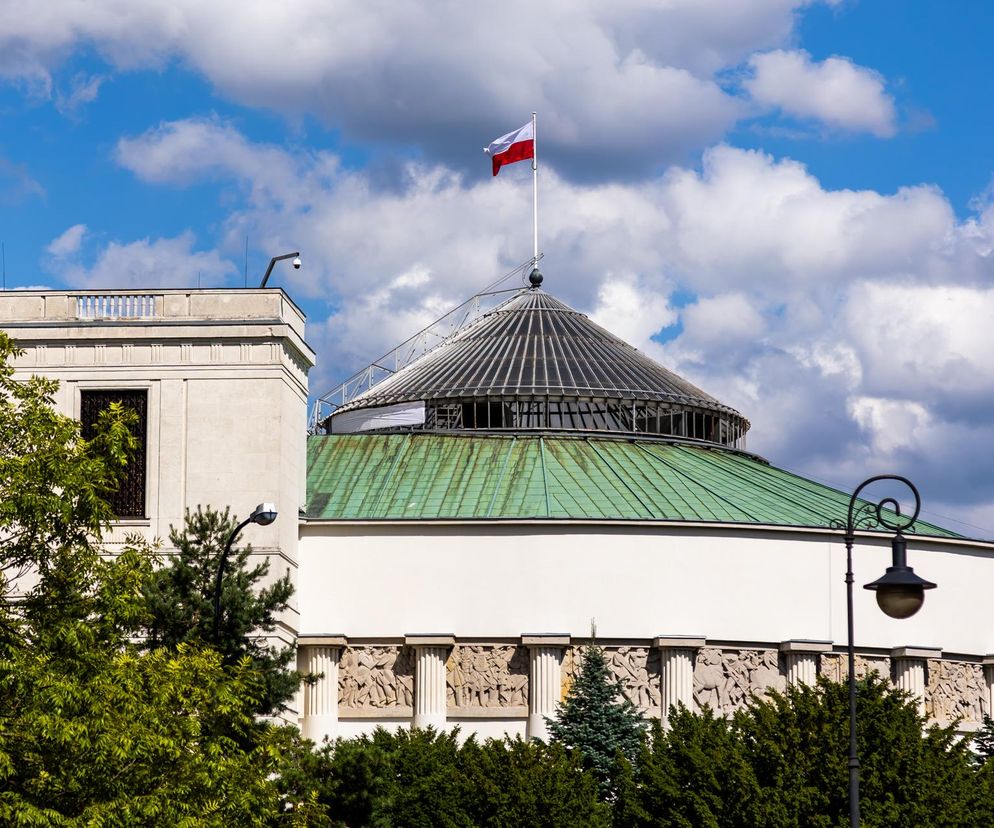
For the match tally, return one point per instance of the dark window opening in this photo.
(129, 499)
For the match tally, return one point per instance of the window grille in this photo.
(129, 499)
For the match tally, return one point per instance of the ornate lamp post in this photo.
(900, 593)
(263, 514)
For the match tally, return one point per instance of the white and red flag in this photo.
(515, 146)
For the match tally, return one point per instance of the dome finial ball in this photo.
(535, 277)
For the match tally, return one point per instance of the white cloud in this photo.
(620, 87)
(835, 91)
(727, 321)
(68, 243)
(631, 309)
(825, 316)
(145, 263)
(891, 425)
(83, 90)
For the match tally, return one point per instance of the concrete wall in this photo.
(637, 581)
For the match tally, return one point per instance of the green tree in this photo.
(983, 740)
(93, 730)
(529, 784)
(694, 775)
(910, 774)
(180, 598)
(597, 720)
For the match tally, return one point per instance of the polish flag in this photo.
(515, 146)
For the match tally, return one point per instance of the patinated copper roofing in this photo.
(534, 345)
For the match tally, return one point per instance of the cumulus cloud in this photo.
(145, 263)
(835, 91)
(620, 88)
(823, 315)
(68, 242)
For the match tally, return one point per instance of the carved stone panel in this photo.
(487, 676)
(835, 666)
(376, 677)
(955, 690)
(724, 680)
(637, 669)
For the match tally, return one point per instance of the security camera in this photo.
(296, 263)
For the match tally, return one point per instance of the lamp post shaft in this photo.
(853, 758)
(220, 576)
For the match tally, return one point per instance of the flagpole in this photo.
(535, 190)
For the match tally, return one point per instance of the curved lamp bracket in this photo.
(867, 514)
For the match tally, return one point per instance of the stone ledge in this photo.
(679, 642)
(511, 712)
(916, 652)
(805, 645)
(375, 713)
(331, 640)
(545, 639)
(429, 639)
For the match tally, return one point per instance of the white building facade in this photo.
(447, 568)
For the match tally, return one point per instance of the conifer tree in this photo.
(597, 720)
(983, 741)
(180, 597)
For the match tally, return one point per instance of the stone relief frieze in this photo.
(835, 666)
(490, 676)
(637, 669)
(956, 690)
(724, 680)
(376, 677)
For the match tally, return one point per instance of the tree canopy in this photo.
(94, 730)
(180, 600)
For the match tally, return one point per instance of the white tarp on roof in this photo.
(386, 416)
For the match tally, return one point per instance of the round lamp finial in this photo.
(535, 277)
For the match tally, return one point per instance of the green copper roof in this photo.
(430, 476)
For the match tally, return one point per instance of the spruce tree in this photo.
(983, 740)
(597, 720)
(180, 598)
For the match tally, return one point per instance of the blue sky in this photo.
(789, 202)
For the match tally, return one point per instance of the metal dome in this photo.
(535, 363)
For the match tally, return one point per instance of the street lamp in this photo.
(900, 593)
(272, 263)
(263, 514)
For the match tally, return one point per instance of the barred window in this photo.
(129, 499)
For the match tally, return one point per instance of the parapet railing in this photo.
(117, 306)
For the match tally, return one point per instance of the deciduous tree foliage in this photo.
(180, 598)
(784, 762)
(425, 778)
(94, 731)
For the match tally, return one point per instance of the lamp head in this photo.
(264, 514)
(900, 593)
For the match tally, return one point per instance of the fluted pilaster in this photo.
(989, 682)
(544, 681)
(909, 671)
(431, 653)
(801, 658)
(318, 656)
(676, 681)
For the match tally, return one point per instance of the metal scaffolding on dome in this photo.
(529, 364)
(413, 348)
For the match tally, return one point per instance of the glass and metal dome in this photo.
(534, 363)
